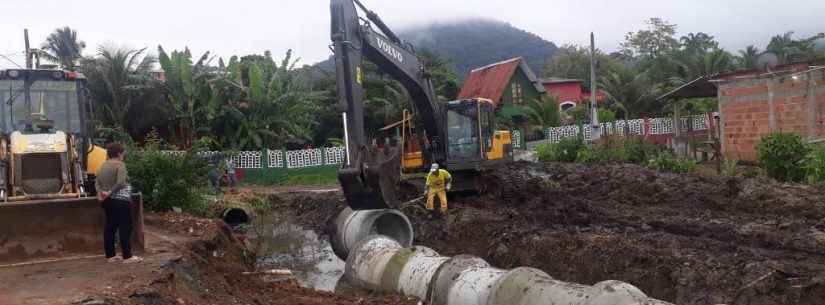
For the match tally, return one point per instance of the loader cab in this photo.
(471, 133)
(45, 126)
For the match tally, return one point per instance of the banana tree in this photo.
(187, 87)
(260, 104)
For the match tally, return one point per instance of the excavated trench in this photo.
(685, 239)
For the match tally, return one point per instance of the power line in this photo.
(11, 61)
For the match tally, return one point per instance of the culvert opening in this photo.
(395, 227)
(235, 216)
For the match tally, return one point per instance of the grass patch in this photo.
(309, 176)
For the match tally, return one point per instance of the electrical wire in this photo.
(11, 61)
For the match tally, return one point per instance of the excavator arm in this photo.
(369, 175)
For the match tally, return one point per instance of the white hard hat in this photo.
(434, 167)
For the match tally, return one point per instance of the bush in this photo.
(666, 162)
(566, 150)
(815, 166)
(639, 151)
(729, 168)
(782, 155)
(586, 155)
(168, 180)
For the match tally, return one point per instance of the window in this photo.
(462, 133)
(518, 94)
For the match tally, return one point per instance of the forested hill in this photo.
(474, 43)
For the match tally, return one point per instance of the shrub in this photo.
(666, 162)
(168, 180)
(815, 166)
(639, 151)
(586, 155)
(566, 150)
(729, 168)
(782, 155)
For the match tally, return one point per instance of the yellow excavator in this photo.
(459, 135)
(48, 206)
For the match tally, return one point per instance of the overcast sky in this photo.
(253, 26)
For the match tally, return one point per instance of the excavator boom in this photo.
(369, 175)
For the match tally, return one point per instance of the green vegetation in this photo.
(667, 162)
(782, 155)
(729, 168)
(169, 180)
(566, 150)
(815, 166)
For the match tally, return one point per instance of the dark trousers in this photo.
(118, 219)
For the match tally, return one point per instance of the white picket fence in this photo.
(278, 158)
(657, 126)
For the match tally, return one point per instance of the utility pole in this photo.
(28, 50)
(595, 130)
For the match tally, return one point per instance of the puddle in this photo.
(285, 245)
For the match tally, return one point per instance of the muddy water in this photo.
(284, 245)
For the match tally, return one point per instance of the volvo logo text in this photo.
(390, 50)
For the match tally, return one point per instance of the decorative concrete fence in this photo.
(642, 127)
(282, 158)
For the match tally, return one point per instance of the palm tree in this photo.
(124, 77)
(790, 50)
(629, 92)
(748, 58)
(62, 47)
(545, 111)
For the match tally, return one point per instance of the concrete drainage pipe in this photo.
(381, 263)
(350, 227)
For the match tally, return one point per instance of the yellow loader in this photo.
(48, 207)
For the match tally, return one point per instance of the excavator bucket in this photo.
(374, 185)
(39, 230)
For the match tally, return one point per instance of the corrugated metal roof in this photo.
(489, 81)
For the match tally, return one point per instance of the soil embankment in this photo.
(687, 239)
(189, 260)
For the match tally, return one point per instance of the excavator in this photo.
(48, 160)
(458, 135)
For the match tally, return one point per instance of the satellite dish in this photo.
(767, 61)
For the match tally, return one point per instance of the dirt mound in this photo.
(210, 271)
(688, 239)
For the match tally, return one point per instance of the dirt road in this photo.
(687, 239)
(188, 261)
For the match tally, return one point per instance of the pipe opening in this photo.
(394, 226)
(235, 216)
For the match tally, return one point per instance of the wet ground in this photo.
(687, 239)
(284, 245)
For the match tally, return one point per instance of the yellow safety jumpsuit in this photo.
(436, 185)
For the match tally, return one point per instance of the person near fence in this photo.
(230, 175)
(439, 181)
(215, 177)
(115, 195)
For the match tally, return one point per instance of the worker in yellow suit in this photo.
(438, 182)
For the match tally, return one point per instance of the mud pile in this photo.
(687, 239)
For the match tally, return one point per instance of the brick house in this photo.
(569, 92)
(756, 103)
(510, 82)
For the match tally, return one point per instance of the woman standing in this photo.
(115, 194)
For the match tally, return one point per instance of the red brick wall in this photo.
(746, 108)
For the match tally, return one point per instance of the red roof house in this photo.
(569, 92)
(507, 82)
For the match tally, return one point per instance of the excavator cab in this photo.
(471, 135)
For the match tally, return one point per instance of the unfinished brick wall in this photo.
(751, 108)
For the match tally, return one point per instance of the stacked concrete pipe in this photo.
(377, 247)
(381, 263)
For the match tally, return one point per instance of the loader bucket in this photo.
(58, 228)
